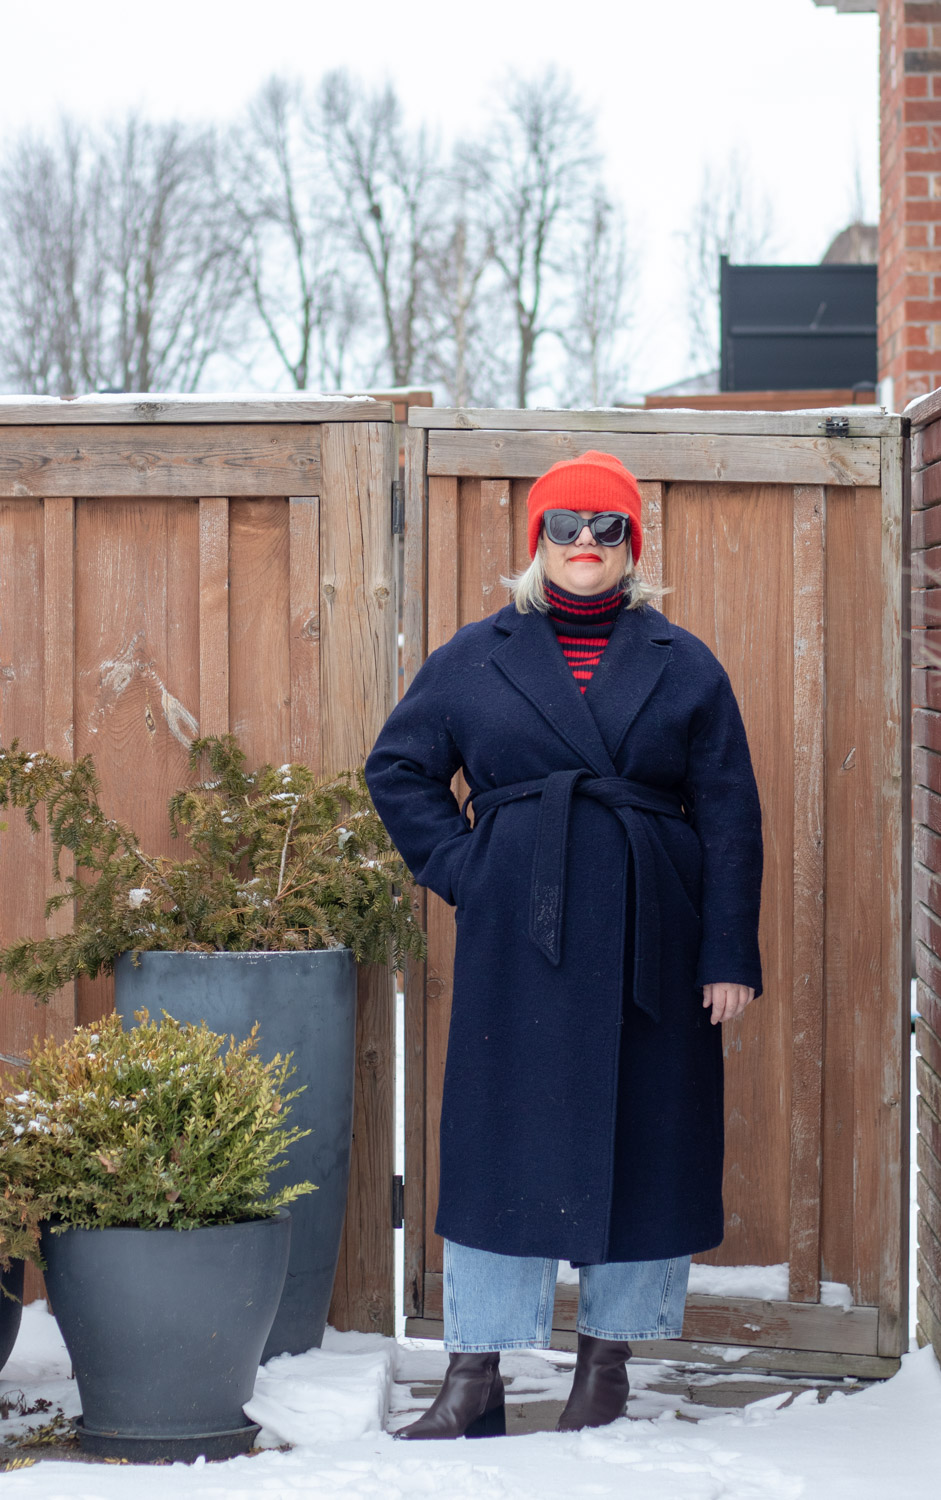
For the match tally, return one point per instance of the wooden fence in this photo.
(175, 566)
(926, 759)
(783, 539)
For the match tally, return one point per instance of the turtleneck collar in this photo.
(584, 609)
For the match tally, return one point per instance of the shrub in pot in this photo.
(286, 881)
(147, 1154)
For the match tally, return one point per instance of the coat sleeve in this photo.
(727, 817)
(409, 775)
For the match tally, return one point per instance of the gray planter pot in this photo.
(305, 1003)
(165, 1329)
(11, 1308)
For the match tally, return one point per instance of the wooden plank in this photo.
(743, 613)
(748, 1321)
(58, 708)
(924, 409)
(159, 462)
(874, 1133)
(415, 561)
(415, 631)
(444, 570)
(863, 422)
(414, 1215)
(779, 1361)
(24, 857)
(674, 456)
(495, 543)
(135, 676)
(358, 662)
(214, 615)
(844, 787)
(154, 408)
(259, 634)
(304, 539)
(895, 905)
(807, 1034)
(651, 558)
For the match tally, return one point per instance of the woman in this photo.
(607, 911)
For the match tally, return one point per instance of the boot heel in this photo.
(491, 1424)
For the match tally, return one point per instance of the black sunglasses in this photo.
(608, 528)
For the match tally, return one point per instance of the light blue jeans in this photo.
(505, 1301)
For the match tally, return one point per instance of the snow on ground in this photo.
(883, 1442)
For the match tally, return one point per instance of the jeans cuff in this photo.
(631, 1336)
(496, 1347)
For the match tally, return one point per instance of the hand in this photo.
(727, 1000)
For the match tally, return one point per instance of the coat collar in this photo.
(594, 725)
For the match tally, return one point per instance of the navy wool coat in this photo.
(612, 869)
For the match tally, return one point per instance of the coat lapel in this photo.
(635, 656)
(531, 659)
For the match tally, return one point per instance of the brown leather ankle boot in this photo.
(470, 1403)
(600, 1387)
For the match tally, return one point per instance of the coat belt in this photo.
(627, 800)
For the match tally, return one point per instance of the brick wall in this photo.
(910, 228)
(926, 703)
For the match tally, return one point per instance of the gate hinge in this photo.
(398, 1202)
(836, 426)
(398, 508)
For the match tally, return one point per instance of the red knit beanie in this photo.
(595, 481)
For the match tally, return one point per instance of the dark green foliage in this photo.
(279, 860)
(161, 1126)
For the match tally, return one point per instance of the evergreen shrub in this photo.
(276, 859)
(162, 1126)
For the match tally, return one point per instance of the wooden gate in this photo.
(783, 540)
(170, 567)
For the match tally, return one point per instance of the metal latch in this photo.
(398, 508)
(836, 426)
(398, 1202)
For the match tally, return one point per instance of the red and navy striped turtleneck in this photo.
(583, 624)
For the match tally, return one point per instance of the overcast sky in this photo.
(675, 84)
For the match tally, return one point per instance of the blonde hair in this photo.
(527, 589)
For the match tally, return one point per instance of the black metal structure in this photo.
(787, 328)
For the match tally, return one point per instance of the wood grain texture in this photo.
(24, 857)
(214, 615)
(728, 555)
(304, 605)
(415, 579)
(148, 409)
(612, 422)
(415, 630)
(136, 665)
(259, 627)
(894, 1083)
(876, 1123)
(675, 456)
(357, 686)
(736, 1320)
(807, 1034)
(159, 462)
(415, 1170)
(651, 558)
(58, 709)
(445, 569)
(711, 1355)
(495, 543)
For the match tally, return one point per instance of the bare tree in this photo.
(385, 179)
(730, 217)
(604, 275)
(114, 274)
(538, 168)
(310, 304)
(52, 280)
